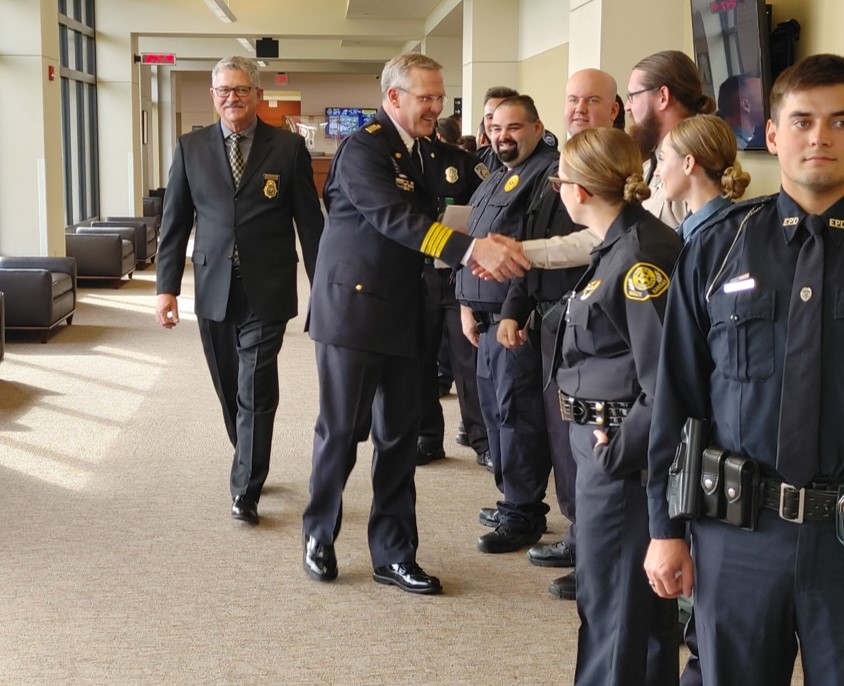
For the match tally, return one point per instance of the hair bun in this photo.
(734, 181)
(635, 189)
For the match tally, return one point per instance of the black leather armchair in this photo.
(39, 292)
(145, 236)
(102, 252)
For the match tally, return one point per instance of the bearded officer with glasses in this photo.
(243, 184)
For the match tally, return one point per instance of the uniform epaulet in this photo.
(374, 127)
(738, 208)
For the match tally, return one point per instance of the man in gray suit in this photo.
(243, 183)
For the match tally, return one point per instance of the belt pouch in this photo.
(711, 478)
(685, 497)
(741, 480)
(839, 515)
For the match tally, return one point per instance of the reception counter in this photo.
(320, 164)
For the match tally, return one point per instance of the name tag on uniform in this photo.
(744, 282)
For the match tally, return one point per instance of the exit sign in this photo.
(168, 58)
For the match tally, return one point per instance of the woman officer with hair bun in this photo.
(697, 164)
(609, 353)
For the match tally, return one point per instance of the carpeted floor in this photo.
(120, 564)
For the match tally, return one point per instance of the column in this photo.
(31, 179)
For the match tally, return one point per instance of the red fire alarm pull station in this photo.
(51, 72)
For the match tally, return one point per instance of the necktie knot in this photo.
(815, 224)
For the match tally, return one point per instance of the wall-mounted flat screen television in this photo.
(732, 55)
(345, 120)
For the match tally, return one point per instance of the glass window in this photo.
(79, 109)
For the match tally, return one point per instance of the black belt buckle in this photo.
(787, 492)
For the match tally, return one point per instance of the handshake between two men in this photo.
(498, 257)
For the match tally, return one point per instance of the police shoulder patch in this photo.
(481, 170)
(644, 281)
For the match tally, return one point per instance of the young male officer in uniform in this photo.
(590, 103)
(509, 382)
(752, 339)
(365, 317)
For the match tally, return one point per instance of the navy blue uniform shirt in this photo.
(499, 206)
(722, 356)
(613, 326)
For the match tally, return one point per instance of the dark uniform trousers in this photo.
(510, 391)
(800, 590)
(562, 460)
(376, 393)
(631, 636)
(242, 355)
(442, 322)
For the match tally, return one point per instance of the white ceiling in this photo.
(332, 36)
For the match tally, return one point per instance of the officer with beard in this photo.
(663, 89)
(509, 381)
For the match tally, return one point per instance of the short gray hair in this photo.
(244, 64)
(396, 71)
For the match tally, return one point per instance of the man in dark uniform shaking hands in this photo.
(243, 183)
(366, 319)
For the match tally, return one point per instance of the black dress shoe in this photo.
(462, 437)
(428, 452)
(488, 516)
(565, 587)
(555, 555)
(245, 509)
(485, 460)
(320, 562)
(409, 577)
(505, 540)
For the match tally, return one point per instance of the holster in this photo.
(685, 498)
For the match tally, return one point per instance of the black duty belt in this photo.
(800, 504)
(597, 412)
(484, 320)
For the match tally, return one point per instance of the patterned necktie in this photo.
(236, 158)
(800, 407)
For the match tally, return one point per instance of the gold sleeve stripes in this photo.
(435, 239)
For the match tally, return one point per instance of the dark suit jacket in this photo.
(277, 188)
(367, 290)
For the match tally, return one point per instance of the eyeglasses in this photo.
(633, 94)
(426, 99)
(557, 183)
(225, 91)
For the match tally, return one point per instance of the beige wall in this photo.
(544, 77)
